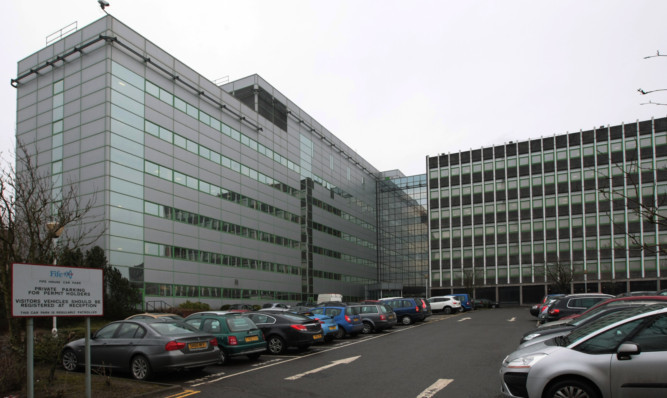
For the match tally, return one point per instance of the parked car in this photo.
(346, 317)
(275, 305)
(376, 317)
(283, 330)
(615, 356)
(446, 304)
(610, 302)
(144, 347)
(484, 303)
(238, 307)
(466, 303)
(407, 309)
(638, 293)
(571, 304)
(329, 326)
(237, 335)
(155, 315)
(536, 309)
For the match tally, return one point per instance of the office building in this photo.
(502, 217)
(206, 193)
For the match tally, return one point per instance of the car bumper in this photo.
(175, 360)
(246, 349)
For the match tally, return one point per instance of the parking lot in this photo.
(448, 355)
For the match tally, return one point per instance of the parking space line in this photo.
(434, 388)
(184, 393)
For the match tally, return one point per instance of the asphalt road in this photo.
(446, 356)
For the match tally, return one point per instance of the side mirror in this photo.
(627, 350)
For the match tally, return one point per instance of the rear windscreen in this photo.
(240, 324)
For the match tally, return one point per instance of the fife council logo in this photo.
(59, 274)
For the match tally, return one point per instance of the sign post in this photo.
(55, 291)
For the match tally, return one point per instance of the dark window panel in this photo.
(563, 210)
(433, 183)
(525, 214)
(510, 149)
(444, 181)
(444, 160)
(444, 202)
(488, 175)
(432, 163)
(615, 132)
(550, 189)
(477, 177)
(454, 159)
(513, 215)
(524, 170)
(500, 195)
(588, 137)
(536, 168)
(589, 161)
(488, 197)
(524, 192)
(511, 172)
(601, 135)
(576, 209)
(466, 200)
(561, 165)
(502, 238)
(561, 141)
(434, 203)
(523, 147)
(477, 198)
(575, 163)
(500, 174)
(476, 155)
(535, 145)
(630, 130)
(575, 186)
(646, 153)
(512, 194)
(537, 191)
(488, 153)
(574, 139)
(465, 157)
(548, 143)
(455, 180)
(499, 151)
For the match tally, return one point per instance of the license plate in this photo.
(332, 328)
(198, 346)
(317, 337)
(251, 338)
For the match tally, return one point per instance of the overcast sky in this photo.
(397, 80)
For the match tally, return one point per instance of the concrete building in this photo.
(206, 193)
(501, 217)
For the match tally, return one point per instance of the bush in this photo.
(198, 306)
(13, 367)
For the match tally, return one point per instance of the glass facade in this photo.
(403, 240)
(499, 215)
(203, 193)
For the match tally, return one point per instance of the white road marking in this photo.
(464, 319)
(332, 364)
(512, 319)
(434, 388)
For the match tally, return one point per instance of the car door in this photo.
(124, 344)
(101, 345)
(643, 374)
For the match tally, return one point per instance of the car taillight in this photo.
(174, 346)
(417, 308)
(554, 311)
(231, 340)
(298, 327)
(383, 317)
(347, 319)
(321, 321)
(213, 342)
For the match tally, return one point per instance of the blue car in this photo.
(346, 317)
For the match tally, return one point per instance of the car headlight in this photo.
(531, 336)
(526, 361)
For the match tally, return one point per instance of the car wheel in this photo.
(276, 345)
(447, 310)
(340, 333)
(70, 361)
(254, 357)
(223, 357)
(406, 320)
(571, 389)
(140, 368)
(368, 328)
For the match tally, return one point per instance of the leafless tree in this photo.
(559, 276)
(32, 214)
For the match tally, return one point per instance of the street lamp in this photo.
(55, 230)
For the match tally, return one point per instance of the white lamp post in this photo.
(56, 230)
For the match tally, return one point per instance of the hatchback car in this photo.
(346, 317)
(144, 347)
(571, 304)
(376, 317)
(466, 302)
(283, 330)
(446, 304)
(408, 310)
(237, 335)
(329, 326)
(622, 355)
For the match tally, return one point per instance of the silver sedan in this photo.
(144, 347)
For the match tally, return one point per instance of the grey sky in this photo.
(397, 80)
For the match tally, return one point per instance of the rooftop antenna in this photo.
(103, 5)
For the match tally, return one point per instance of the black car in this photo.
(282, 330)
(570, 305)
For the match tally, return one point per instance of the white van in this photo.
(324, 297)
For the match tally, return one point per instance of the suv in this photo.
(347, 317)
(446, 304)
(571, 304)
(236, 335)
(466, 303)
(376, 317)
(409, 310)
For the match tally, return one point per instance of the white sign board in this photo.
(50, 290)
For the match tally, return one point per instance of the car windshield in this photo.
(172, 328)
(583, 331)
(240, 324)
